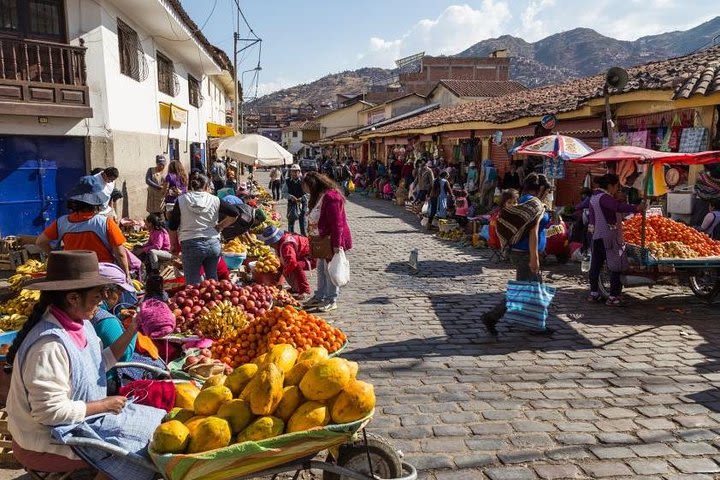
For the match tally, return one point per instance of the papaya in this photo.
(214, 381)
(260, 429)
(308, 415)
(283, 356)
(353, 368)
(180, 414)
(291, 400)
(209, 400)
(267, 390)
(249, 387)
(171, 437)
(193, 423)
(210, 433)
(313, 355)
(296, 373)
(237, 413)
(237, 380)
(325, 380)
(185, 394)
(260, 360)
(356, 401)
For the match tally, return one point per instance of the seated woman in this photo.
(117, 296)
(158, 245)
(59, 390)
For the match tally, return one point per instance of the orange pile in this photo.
(661, 229)
(278, 326)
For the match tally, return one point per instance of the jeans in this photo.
(432, 211)
(326, 291)
(597, 260)
(275, 187)
(291, 224)
(420, 197)
(200, 252)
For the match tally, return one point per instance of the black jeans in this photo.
(521, 261)
(275, 187)
(432, 211)
(596, 264)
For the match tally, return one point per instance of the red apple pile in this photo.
(192, 301)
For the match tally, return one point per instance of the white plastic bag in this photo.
(339, 269)
(425, 208)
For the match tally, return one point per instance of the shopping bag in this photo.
(527, 303)
(339, 269)
(425, 208)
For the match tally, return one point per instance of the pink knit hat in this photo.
(155, 318)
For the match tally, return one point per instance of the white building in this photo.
(298, 138)
(97, 83)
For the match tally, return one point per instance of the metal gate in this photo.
(35, 175)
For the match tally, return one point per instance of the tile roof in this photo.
(694, 74)
(482, 88)
(306, 125)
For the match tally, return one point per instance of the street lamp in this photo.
(242, 100)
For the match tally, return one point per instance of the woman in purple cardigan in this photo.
(326, 219)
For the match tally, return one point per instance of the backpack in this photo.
(218, 172)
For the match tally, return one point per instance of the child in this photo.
(508, 198)
(155, 288)
(387, 192)
(711, 222)
(158, 245)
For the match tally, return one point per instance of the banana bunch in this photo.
(235, 246)
(224, 320)
(31, 266)
(263, 195)
(134, 239)
(260, 251)
(138, 285)
(454, 235)
(22, 304)
(16, 281)
(9, 323)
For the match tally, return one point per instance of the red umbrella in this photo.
(618, 153)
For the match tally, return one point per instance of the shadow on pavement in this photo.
(438, 268)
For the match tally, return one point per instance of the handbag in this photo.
(320, 246)
(615, 255)
(527, 303)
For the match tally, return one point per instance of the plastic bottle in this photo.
(585, 263)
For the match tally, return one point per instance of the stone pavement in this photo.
(614, 393)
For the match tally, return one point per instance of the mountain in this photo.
(583, 51)
(575, 53)
(322, 92)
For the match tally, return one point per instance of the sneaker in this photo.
(328, 307)
(313, 302)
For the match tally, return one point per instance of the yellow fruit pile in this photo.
(9, 323)
(134, 239)
(235, 246)
(268, 264)
(281, 392)
(22, 303)
(671, 250)
(32, 266)
(223, 320)
(454, 235)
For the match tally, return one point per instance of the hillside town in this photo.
(501, 263)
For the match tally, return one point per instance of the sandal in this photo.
(614, 302)
(595, 298)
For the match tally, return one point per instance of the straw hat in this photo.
(71, 270)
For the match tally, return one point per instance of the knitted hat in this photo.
(155, 318)
(260, 216)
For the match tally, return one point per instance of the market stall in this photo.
(657, 246)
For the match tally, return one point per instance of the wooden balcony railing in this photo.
(43, 78)
(44, 62)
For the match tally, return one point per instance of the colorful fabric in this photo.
(246, 458)
(553, 168)
(693, 140)
(656, 183)
(75, 330)
(527, 304)
(515, 222)
(155, 318)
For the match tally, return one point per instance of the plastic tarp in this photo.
(251, 457)
(626, 152)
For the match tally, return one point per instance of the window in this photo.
(166, 75)
(41, 19)
(295, 134)
(128, 44)
(194, 91)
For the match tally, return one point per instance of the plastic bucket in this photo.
(234, 260)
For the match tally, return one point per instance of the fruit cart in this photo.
(702, 274)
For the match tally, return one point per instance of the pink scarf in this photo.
(76, 330)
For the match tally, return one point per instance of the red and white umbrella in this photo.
(555, 146)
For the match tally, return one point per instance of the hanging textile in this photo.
(554, 168)
(656, 184)
(693, 140)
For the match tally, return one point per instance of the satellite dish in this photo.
(616, 78)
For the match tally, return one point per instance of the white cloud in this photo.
(457, 28)
(533, 25)
(269, 87)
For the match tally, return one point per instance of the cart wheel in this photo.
(386, 462)
(705, 284)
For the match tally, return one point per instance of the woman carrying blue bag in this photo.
(522, 228)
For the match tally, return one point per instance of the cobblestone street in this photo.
(615, 392)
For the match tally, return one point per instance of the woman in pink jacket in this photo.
(326, 219)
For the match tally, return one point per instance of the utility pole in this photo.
(235, 67)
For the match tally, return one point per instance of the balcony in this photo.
(42, 78)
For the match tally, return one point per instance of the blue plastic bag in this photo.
(527, 304)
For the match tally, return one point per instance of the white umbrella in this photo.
(255, 150)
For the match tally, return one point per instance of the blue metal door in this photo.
(35, 175)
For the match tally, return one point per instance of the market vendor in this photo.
(247, 218)
(85, 229)
(59, 388)
(294, 253)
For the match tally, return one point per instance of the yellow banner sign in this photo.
(217, 130)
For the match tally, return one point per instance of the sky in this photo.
(303, 40)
